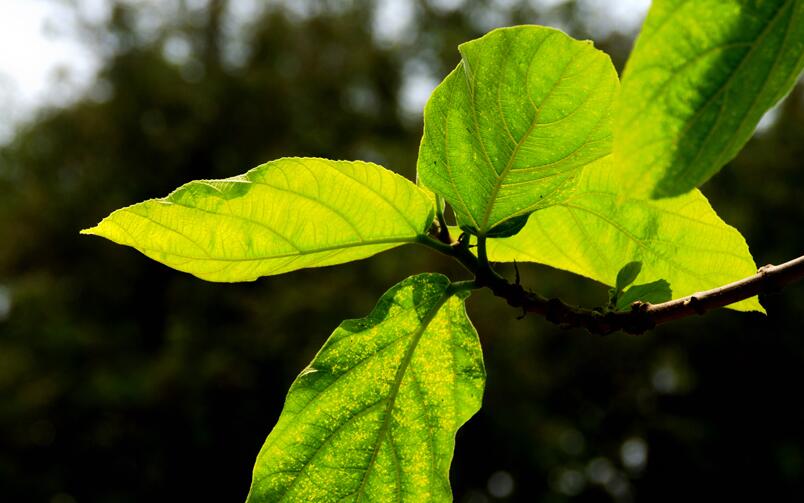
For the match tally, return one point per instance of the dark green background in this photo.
(124, 381)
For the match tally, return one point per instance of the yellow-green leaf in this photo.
(284, 215)
(373, 417)
(507, 132)
(700, 77)
(600, 228)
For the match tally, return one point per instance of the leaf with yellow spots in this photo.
(374, 416)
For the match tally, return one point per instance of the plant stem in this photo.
(460, 286)
(482, 255)
(642, 317)
(443, 229)
(768, 278)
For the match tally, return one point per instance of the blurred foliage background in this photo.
(124, 381)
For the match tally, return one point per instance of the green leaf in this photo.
(505, 229)
(284, 215)
(654, 292)
(699, 79)
(627, 275)
(680, 239)
(374, 416)
(508, 131)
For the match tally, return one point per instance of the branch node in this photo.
(640, 305)
(765, 269)
(695, 304)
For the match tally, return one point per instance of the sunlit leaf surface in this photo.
(285, 215)
(374, 416)
(700, 77)
(508, 131)
(599, 229)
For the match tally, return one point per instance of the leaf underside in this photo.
(284, 215)
(374, 416)
(599, 229)
(507, 132)
(700, 77)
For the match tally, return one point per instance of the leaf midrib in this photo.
(498, 183)
(404, 363)
(394, 392)
(300, 253)
(723, 88)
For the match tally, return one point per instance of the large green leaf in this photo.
(284, 215)
(508, 131)
(700, 77)
(599, 229)
(374, 416)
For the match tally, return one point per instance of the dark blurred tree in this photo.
(124, 381)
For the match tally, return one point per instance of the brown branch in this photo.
(643, 316)
(769, 278)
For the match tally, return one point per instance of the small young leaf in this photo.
(680, 240)
(508, 228)
(374, 416)
(507, 132)
(627, 275)
(653, 292)
(699, 79)
(285, 215)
